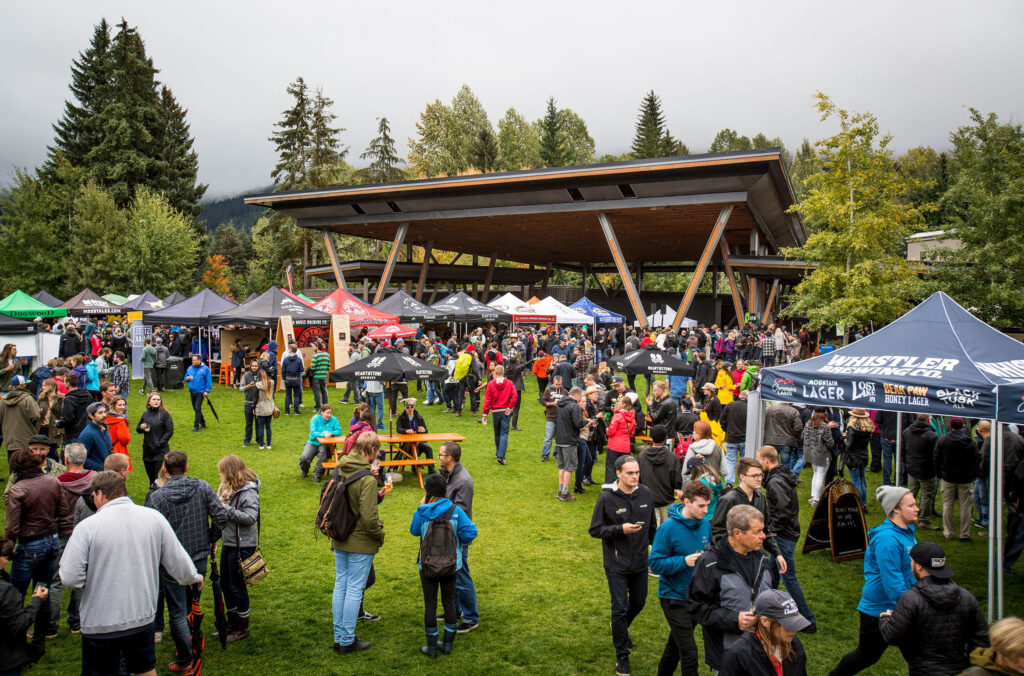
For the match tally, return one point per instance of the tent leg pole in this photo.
(899, 444)
(998, 459)
(992, 506)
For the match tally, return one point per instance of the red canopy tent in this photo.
(392, 331)
(359, 313)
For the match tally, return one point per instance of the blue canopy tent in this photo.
(937, 359)
(600, 315)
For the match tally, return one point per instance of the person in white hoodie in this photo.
(704, 444)
(114, 557)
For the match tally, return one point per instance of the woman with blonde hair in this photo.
(855, 457)
(1006, 656)
(265, 407)
(239, 492)
(818, 445)
(770, 647)
(51, 403)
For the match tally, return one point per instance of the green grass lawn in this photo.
(543, 598)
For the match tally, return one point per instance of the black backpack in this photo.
(439, 547)
(335, 517)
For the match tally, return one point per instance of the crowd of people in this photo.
(680, 498)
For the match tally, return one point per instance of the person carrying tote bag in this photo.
(239, 492)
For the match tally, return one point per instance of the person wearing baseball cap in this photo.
(936, 624)
(957, 464)
(772, 647)
(19, 416)
(887, 574)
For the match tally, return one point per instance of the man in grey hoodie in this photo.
(197, 517)
(114, 557)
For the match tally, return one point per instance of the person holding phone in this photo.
(624, 521)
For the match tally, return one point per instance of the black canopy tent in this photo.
(265, 309)
(146, 302)
(9, 326)
(174, 298)
(408, 309)
(195, 309)
(88, 302)
(937, 359)
(460, 307)
(48, 298)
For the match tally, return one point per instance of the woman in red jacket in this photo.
(621, 430)
(117, 427)
(500, 398)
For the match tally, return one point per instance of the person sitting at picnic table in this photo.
(322, 424)
(411, 422)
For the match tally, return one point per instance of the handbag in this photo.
(253, 568)
(277, 412)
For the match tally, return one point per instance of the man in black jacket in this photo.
(568, 423)
(784, 522)
(662, 407)
(887, 423)
(734, 424)
(73, 414)
(936, 623)
(957, 463)
(660, 472)
(623, 520)
(704, 374)
(919, 450)
(728, 577)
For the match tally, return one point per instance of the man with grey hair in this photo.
(727, 577)
(73, 483)
(115, 557)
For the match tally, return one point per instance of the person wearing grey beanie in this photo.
(887, 574)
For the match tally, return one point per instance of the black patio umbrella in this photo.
(650, 362)
(387, 366)
(220, 620)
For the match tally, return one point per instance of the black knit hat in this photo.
(435, 485)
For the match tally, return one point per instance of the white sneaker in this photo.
(268, 448)
(261, 448)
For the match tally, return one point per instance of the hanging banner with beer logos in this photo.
(936, 359)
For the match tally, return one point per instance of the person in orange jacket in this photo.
(117, 427)
(541, 366)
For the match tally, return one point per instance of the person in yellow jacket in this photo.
(462, 366)
(723, 381)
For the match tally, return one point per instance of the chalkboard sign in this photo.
(838, 523)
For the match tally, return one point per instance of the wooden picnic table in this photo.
(403, 447)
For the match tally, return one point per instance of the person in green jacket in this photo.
(1006, 656)
(353, 556)
(749, 378)
(148, 360)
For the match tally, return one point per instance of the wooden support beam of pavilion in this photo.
(769, 306)
(332, 255)
(487, 278)
(737, 300)
(389, 267)
(702, 265)
(623, 267)
(428, 253)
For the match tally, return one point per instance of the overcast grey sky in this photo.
(752, 66)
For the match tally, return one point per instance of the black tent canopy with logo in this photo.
(266, 308)
(460, 307)
(196, 309)
(48, 298)
(408, 309)
(88, 302)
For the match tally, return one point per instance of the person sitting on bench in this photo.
(411, 422)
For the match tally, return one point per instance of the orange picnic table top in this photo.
(395, 439)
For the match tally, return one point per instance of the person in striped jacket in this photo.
(319, 366)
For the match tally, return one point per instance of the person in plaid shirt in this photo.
(118, 374)
(768, 349)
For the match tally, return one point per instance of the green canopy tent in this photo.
(23, 306)
(115, 298)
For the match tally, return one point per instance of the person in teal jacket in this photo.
(92, 378)
(435, 506)
(678, 543)
(887, 574)
(322, 424)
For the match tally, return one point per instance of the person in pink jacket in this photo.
(500, 398)
(620, 436)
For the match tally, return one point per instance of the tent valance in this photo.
(598, 313)
(360, 314)
(563, 314)
(521, 311)
(89, 302)
(460, 307)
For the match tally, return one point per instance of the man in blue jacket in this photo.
(95, 437)
(199, 383)
(678, 543)
(887, 574)
(323, 424)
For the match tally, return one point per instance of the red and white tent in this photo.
(359, 313)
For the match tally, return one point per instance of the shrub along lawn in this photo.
(543, 598)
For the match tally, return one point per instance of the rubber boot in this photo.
(449, 639)
(430, 650)
(232, 622)
(241, 630)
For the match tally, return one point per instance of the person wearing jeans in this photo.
(460, 491)
(818, 445)
(375, 398)
(733, 452)
(500, 398)
(353, 556)
(549, 398)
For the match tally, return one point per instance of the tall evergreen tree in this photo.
(78, 130)
(180, 186)
(384, 159)
(128, 110)
(804, 165)
(672, 147)
(552, 137)
(326, 151)
(484, 152)
(293, 140)
(649, 129)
